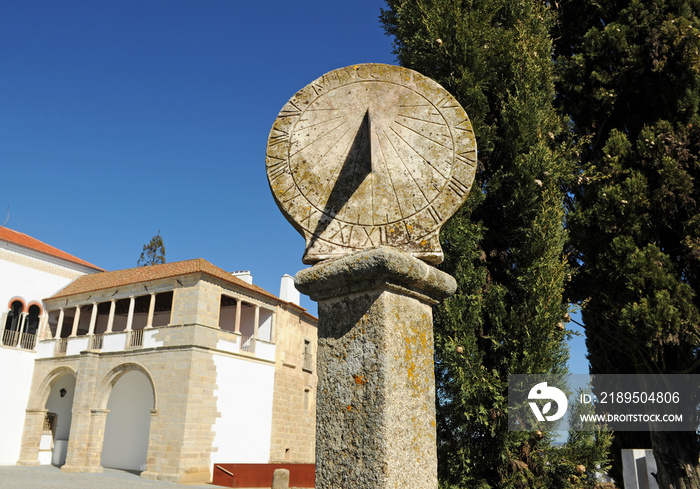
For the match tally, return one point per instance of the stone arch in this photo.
(128, 398)
(37, 304)
(47, 384)
(18, 299)
(105, 388)
(13, 320)
(36, 416)
(33, 319)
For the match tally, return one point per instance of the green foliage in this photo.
(585, 452)
(505, 246)
(153, 252)
(630, 77)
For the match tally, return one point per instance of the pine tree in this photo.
(153, 252)
(630, 77)
(505, 246)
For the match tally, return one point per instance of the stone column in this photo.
(130, 317)
(375, 408)
(110, 320)
(59, 326)
(151, 310)
(76, 320)
(256, 322)
(93, 319)
(22, 322)
(273, 327)
(44, 327)
(237, 328)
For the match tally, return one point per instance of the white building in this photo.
(30, 270)
(165, 369)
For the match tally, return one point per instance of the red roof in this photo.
(118, 278)
(26, 241)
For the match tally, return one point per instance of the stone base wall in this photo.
(293, 416)
(181, 435)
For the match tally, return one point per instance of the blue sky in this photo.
(122, 118)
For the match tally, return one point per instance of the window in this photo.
(307, 399)
(32, 324)
(13, 316)
(308, 356)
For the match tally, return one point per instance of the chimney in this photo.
(288, 292)
(244, 275)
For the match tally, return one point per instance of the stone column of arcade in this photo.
(367, 162)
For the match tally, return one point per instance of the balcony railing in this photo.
(9, 337)
(96, 342)
(117, 341)
(135, 339)
(248, 344)
(61, 346)
(25, 341)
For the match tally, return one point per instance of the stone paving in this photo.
(50, 477)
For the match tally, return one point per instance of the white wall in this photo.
(128, 422)
(76, 345)
(17, 367)
(244, 399)
(18, 278)
(27, 282)
(265, 325)
(62, 406)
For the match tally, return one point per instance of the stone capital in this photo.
(375, 268)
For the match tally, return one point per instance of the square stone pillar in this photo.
(93, 456)
(375, 407)
(31, 436)
(87, 427)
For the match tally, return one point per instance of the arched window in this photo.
(13, 317)
(32, 324)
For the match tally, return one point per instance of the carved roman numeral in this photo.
(276, 167)
(310, 218)
(290, 110)
(382, 235)
(278, 136)
(319, 85)
(434, 214)
(374, 235)
(458, 187)
(467, 157)
(465, 125)
(289, 194)
(341, 231)
(447, 103)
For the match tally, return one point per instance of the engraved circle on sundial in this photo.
(371, 155)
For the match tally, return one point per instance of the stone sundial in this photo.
(371, 155)
(367, 163)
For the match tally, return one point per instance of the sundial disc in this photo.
(371, 155)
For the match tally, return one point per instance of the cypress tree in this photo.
(505, 246)
(630, 77)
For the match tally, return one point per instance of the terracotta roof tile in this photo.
(28, 242)
(120, 278)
